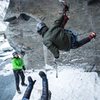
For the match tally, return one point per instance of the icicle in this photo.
(45, 55)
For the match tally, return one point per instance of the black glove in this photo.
(24, 68)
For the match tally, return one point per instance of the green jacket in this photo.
(17, 63)
(56, 38)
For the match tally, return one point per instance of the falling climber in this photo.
(57, 38)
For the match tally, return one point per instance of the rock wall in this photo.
(23, 15)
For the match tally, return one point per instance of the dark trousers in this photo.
(28, 92)
(80, 43)
(44, 91)
(74, 42)
(18, 74)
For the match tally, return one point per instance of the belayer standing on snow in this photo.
(57, 38)
(18, 67)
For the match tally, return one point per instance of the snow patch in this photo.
(7, 70)
(6, 46)
(70, 85)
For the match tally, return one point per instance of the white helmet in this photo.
(40, 25)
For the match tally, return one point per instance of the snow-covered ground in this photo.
(5, 46)
(71, 84)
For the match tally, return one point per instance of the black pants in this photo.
(80, 43)
(28, 92)
(44, 89)
(46, 94)
(18, 74)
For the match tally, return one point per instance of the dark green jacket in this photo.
(17, 63)
(56, 38)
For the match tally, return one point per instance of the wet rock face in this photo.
(23, 16)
